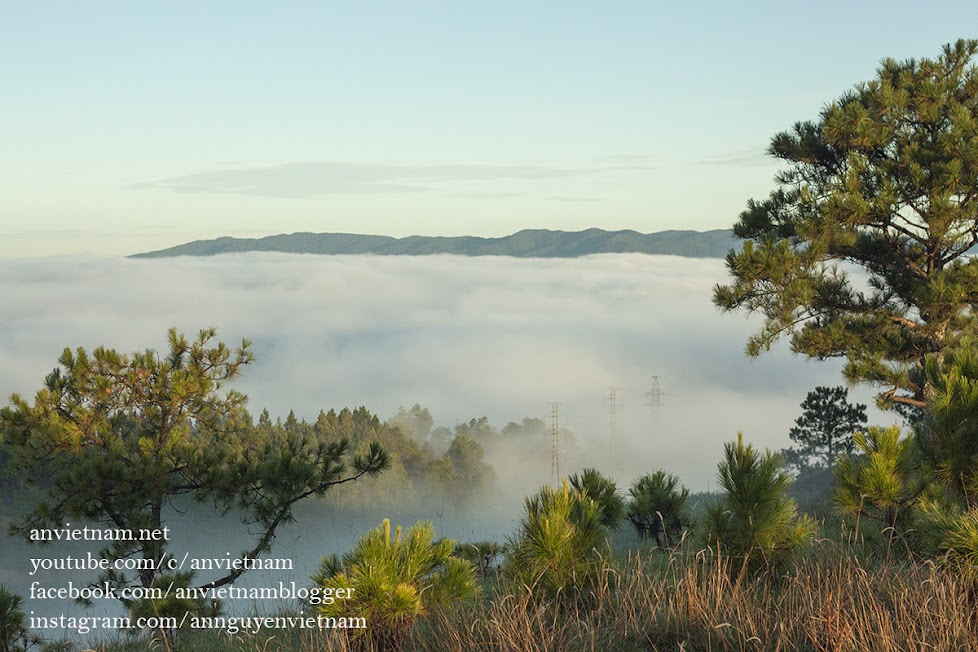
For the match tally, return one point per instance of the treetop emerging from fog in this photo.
(886, 180)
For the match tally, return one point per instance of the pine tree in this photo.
(603, 491)
(657, 507)
(825, 428)
(113, 439)
(881, 481)
(14, 634)
(395, 579)
(556, 550)
(755, 518)
(886, 180)
(947, 433)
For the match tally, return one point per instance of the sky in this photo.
(134, 126)
(131, 126)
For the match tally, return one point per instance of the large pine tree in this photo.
(884, 182)
(116, 439)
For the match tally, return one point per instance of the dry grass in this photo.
(656, 601)
(701, 604)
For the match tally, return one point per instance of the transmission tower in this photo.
(655, 394)
(554, 442)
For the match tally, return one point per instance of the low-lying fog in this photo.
(464, 337)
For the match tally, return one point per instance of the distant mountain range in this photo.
(530, 243)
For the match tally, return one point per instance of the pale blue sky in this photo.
(128, 126)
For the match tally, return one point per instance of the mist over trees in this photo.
(885, 180)
(112, 439)
(117, 439)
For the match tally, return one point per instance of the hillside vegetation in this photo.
(529, 243)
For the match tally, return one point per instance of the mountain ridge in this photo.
(528, 243)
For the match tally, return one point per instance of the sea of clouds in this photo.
(464, 337)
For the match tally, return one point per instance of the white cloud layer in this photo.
(465, 337)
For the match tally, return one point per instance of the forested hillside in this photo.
(529, 243)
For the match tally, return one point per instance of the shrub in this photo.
(556, 549)
(947, 530)
(945, 516)
(604, 492)
(396, 579)
(484, 555)
(657, 507)
(755, 518)
(947, 433)
(14, 635)
(880, 481)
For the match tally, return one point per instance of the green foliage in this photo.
(603, 491)
(460, 476)
(754, 518)
(396, 580)
(401, 483)
(14, 635)
(825, 428)
(924, 486)
(415, 423)
(171, 605)
(114, 438)
(471, 473)
(556, 549)
(529, 427)
(880, 481)
(426, 465)
(484, 555)
(947, 434)
(658, 507)
(946, 516)
(533, 243)
(949, 531)
(884, 180)
(479, 430)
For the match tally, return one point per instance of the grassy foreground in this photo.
(829, 601)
